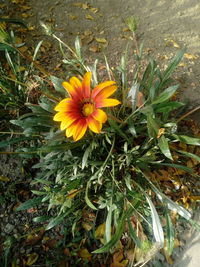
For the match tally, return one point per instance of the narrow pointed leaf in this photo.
(164, 147)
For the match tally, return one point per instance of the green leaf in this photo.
(169, 233)
(15, 141)
(4, 47)
(133, 235)
(172, 66)
(190, 155)
(164, 147)
(165, 95)
(170, 203)
(115, 238)
(152, 126)
(55, 221)
(40, 219)
(156, 224)
(89, 203)
(108, 223)
(178, 166)
(57, 83)
(30, 203)
(47, 104)
(85, 157)
(188, 140)
(78, 47)
(133, 95)
(167, 107)
(116, 128)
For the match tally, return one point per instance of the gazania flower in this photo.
(82, 109)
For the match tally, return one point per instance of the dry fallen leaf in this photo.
(190, 56)
(73, 17)
(84, 254)
(94, 49)
(88, 16)
(32, 258)
(99, 233)
(118, 260)
(161, 131)
(4, 179)
(101, 40)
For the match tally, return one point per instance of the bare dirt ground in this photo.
(164, 27)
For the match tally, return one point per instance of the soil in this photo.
(164, 27)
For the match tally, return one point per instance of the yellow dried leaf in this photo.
(85, 6)
(4, 179)
(94, 10)
(72, 17)
(25, 7)
(161, 131)
(32, 258)
(100, 231)
(88, 16)
(84, 254)
(86, 226)
(172, 42)
(26, 15)
(190, 56)
(195, 198)
(101, 40)
(72, 193)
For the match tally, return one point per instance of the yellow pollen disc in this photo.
(87, 109)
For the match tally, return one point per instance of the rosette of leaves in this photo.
(109, 174)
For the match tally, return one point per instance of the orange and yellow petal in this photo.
(60, 116)
(108, 102)
(80, 130)
(99, 115)
(68, 120)
(94, 125)
(106, 92)
(101, 86)
(70, 89)
(71, 129)
(75, 82)
(86, 84)
(61, 106)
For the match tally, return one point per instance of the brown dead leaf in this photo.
(33, 238)
(140, 99)
(94, 49)
(118, 260)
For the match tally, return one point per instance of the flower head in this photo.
(82, 109)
